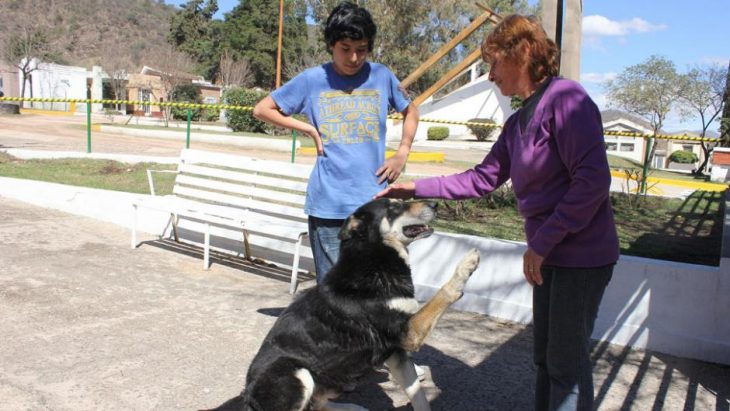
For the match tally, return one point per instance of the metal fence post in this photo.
(88, 126)
(187, 139)
(293, 144)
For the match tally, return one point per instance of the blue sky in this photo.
(621, 33)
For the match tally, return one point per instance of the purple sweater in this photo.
(560, 177)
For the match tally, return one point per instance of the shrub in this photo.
(186, 93)
(239, 120)
(683, 157)
(437, 133)
(482, 133)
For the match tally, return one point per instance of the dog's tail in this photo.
(237, 403)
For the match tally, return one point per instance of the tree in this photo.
(194, 32)
(649, 90)
(250, 32)
(725, 120)
(410, 31)
(232, 72)
(702, 90)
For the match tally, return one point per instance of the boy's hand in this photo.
(312, 132)
(392, 168)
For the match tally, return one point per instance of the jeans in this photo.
(323, 237)
(564, 311)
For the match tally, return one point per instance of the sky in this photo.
(618, 34)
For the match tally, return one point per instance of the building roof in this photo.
(616, 116)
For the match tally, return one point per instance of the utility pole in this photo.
(278, 49)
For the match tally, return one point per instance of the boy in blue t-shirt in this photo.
(346, 102)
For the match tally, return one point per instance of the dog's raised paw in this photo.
(468, 263)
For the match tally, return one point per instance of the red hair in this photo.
(508, 38)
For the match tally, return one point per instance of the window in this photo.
(611, 146)
(627, 147)
(687, 147)
(1, 84)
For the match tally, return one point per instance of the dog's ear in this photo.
(353, 227)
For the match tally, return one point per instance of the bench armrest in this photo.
(151, 181)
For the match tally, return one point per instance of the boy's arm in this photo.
(393, 166)
(267, 110)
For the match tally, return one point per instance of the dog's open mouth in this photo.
(417, 231)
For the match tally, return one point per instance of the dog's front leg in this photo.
(402, 369)
(424, 320)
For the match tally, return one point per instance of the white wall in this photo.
(674, 308)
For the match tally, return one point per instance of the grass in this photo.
(102, 174)
(687, 230)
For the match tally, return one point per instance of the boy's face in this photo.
(348, 56)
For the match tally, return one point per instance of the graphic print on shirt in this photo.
(349, 118)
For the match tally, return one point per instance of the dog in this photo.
(362, 315)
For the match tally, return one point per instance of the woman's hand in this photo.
(531, 264)
(404, 191)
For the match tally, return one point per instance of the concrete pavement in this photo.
(88, 324)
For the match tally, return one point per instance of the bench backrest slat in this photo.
(245, 190)
(250, 178)
(263, 207)
(291, 170)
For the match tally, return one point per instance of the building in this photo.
(9, 83)
(154, 86)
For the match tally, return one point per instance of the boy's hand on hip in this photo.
(314, 135)
(392, 168)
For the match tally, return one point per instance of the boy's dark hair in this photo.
(349, 21)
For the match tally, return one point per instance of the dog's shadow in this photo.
(480, 378)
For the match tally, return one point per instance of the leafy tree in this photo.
(250, 32)
(649, 90)
(186, 93)
(702, 91)
(194, 32)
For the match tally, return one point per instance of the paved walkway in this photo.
(88, 324)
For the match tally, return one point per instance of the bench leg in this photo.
(246, 246)
(295, 264)
(173, 221)
(206, 248)
(134, 226)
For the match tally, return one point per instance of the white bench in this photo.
(261, 199)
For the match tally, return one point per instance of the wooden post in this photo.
(487, 15)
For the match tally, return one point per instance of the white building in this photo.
(479, 98)
(50, 80)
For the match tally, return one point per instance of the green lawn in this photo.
(669, 229)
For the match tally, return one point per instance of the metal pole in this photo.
(187, 139)
(293, 144)
(278, 50)
(88, 126)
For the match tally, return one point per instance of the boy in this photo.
(346, 102)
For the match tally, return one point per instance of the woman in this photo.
(553, 151)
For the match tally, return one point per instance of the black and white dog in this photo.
(362, 315)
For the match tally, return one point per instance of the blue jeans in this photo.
(323, 237)
(564, 310)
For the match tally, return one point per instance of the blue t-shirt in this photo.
(350, 113)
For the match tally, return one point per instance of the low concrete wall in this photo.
(677, 309)
(242, 141)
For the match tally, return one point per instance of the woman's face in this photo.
(348, 56)
(511, 77)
